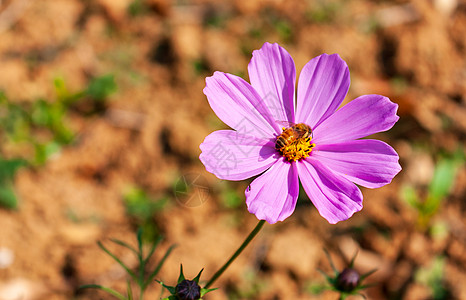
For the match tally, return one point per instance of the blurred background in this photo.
(102, 114)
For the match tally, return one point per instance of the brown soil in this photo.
(150, 133)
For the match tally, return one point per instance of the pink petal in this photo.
(231, 155)
(239, 106)
(272, 74)
(370, 163)
(335, 197)
(273, 195)
(322, 86)
(361, 117)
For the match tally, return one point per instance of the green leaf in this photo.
(129, 290)
(139, 238)
(60, 88)
(15, 122)
(121, 243)
(444, 177)
(139, 204)
(102, 87)
(171, 289)
(351, 264)
(44, 151)
(181, 276)
(433, 277)
(196, 279)
(8, 197)
(231, 199)
(408, 193)
(137, 7)
(439, 230)
(9, 167)
(284, 29)
(131, 273)
(106, 289)
(317, 288)
(3, 98)
(365, 275)
(329, 279)
(40, 114)
(159, 266)
(205, 291)
(330, 261)
(155, 243)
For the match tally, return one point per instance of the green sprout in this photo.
(137, 8)
(439, 188)
(141, 207)
(139, 276)
(230, 197)
(39, 129)
(8, 169)
(324, 12)
(100, 88)
(43, 123)
(433, 277)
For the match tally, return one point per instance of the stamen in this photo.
(297, 150)
(295, 142)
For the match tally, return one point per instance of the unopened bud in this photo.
(348, 280)
(188, 290)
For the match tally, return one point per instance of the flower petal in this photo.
(239, 106)
(335, 197)
(359, 118)
(231, 155)
(370, 163)
(273, 195)
(273, 75)
(322, 86)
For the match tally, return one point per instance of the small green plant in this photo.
(230, 196)
(324, 11)
(31, 132)
(316, 288)
(8, 168)
(200, 66)
(276, 22)
(284, 30)
(101, 87)
(42, 124)
(433, 277)
(141, 276)
(137, 8)
(141, 207)
(438, 189)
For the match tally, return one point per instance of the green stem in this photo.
(142, 266)
(235, 255)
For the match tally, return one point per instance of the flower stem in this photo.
(235, 255)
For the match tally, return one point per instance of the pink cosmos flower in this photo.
(324, 150)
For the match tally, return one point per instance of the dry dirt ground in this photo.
(160, 52)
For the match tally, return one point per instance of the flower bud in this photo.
(348, 280)
(188, 290)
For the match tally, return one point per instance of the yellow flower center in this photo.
(294, 143)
